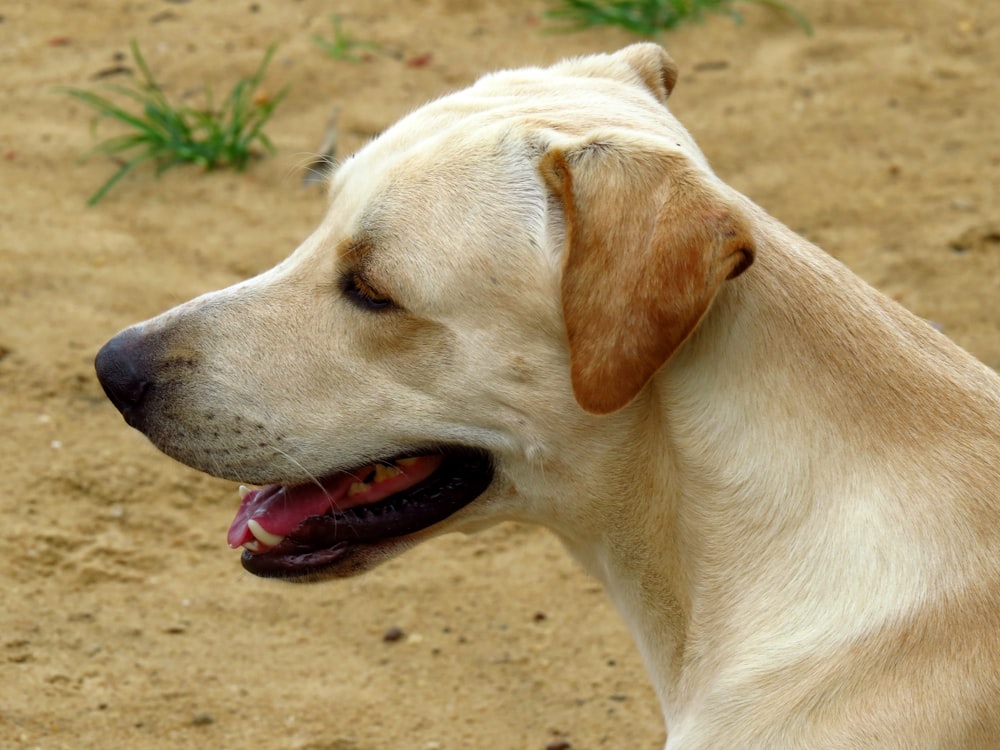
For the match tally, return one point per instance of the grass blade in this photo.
(651, 17)
(171, 134)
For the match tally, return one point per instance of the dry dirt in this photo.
(127, 623)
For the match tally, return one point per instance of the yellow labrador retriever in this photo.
(533, 300)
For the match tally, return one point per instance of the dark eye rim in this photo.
(361, 293)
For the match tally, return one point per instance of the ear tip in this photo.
(599, 407)
(604, 394)
(654, 65)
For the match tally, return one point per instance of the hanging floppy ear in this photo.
(649, 241)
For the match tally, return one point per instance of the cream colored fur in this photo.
(788, 484)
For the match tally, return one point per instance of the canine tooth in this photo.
(357, 488)
(252, 546)
(383, 472)
(244, 491)
(407, 461)
(262, 535)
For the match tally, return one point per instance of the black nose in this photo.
(124, 368)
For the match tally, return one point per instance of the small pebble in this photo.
(393, 634)
(420, 61)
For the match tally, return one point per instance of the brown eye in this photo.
(361, 293)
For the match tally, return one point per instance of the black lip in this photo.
(320, 542)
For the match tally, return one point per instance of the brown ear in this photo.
(649, 242)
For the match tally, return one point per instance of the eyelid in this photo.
(360, 291)
(362, 285)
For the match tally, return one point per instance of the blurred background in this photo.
(126, 622)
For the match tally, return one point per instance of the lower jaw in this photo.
(343, 560)
(300, 565)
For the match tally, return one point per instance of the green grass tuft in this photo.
(169, 134)
(343, 45)
(650, 17)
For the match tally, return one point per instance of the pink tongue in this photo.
(280, 509)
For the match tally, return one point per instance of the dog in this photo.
(533, 300)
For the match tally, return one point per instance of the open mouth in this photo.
(298, 530)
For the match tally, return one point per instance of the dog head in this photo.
(462, 340)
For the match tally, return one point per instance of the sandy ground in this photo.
(127, 623)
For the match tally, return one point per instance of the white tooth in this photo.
(407, 461)
(262, 535)
(383, 472)
(357, 488)
(244, 491)
(252, 546)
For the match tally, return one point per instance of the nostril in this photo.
(122, 368)
(124, 390)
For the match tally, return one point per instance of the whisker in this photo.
(298, 464)
(322, 165)
(314, 480)
(316, 166)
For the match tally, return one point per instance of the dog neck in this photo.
(770, 533)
